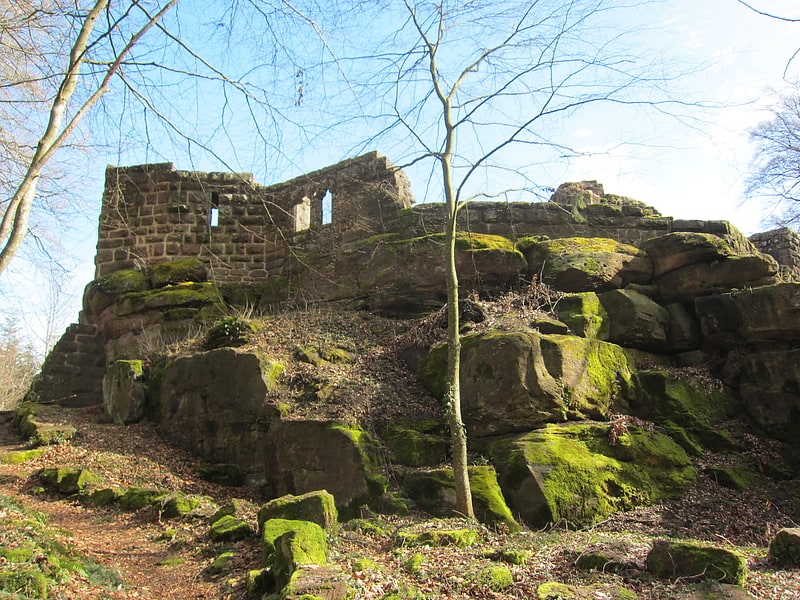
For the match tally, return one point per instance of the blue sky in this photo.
(696, 169)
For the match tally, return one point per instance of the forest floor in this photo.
(143, 555)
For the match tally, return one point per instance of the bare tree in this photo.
(776, 172)
(62, 121)
(480, 90)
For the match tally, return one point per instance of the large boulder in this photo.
(124, 392)
(635, 321)
(325, 455)
(215, 403)
(769, 386)
(402, 276)
(676, 560)
(514, 381)
(587, 264)
(762, 315)
(690, 264)
(572, 472)
(433, 490)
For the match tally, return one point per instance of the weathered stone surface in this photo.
(680, 249)
(784, 548)
(769, 386)
(587, 264)
(172, 272)
(554, 590)
(516, 381)
(124, 392)
(434, 492)
(67, 480)
(766, 314)
(104, 291)
(290, 544)
(317, 581)
(635, 321)
(702, 279)
(318, 507)
(674, 560)
(683, 332)
(215, 404)
(585, 315)
(570, 472)
(322, 455)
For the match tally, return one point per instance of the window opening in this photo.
(213, 219)
(327, 208)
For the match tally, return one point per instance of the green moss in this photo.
(229, 529)
(67, 480)
(511, 556)
(687, 404)
(121, 282)
(496, 578)
(230, 332)
(460, 538)
(584, 314)
(20, 456)
(172, 561)
(674, 559)
(105, 496)
(136, 498)
(288, 544)
(177, 271)
(737, 478)
(220, 564)
(318, 507)
(413, 564)
(183, 505)
(418, 443)
(582, 479)
(275, 528)
(170, 297)
(35, 560)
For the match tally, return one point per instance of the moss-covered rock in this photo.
(124, 391)
(460, 538)
(186, 505)
(784, 548)
(37, 428)
(553, 590)
(229, 529)
(496, 577)
(220, 564)
(105, 496)
(511, 556)
(695, 407)
(101, 293)
(193, 295)
(635, 321)
(515, 381)
(572, 473)
(673, 560)
(176, 271)
(230, 332)
(585, 315)
(737, 478)
(318, 507)
(67, 480)
(235, 508)
(20, 456)
(317, 582)
(434, 492)
(416, 443)
(137, 498)
(587, 264)
(288, 544)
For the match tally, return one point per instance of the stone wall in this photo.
(242, 230)
(784, 246)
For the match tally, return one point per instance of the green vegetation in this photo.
(34, 562)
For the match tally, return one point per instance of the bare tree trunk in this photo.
(14, 224)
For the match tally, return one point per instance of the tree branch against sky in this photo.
(480, 89)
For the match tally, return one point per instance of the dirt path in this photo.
(154, 558)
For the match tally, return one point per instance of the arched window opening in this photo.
(327, 208)
(213, 217)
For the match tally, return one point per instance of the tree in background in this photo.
(18, 365)
(482, 87)
(776, 166)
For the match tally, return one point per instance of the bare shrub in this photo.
(18, 365)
